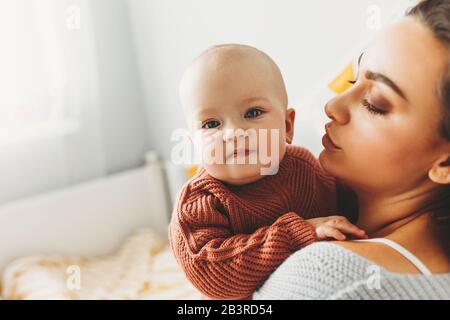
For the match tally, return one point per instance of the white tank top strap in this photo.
(403, 251)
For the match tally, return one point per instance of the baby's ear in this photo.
(290, 119)
(440, 171)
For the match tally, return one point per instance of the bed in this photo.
(105, 239)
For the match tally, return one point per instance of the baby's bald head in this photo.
(236, 92)
(228, 62)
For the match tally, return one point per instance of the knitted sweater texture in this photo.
(229, 239)
(327, 271)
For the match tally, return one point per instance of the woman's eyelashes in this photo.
(372, 108)
(253, 113)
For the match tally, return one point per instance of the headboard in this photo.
(88, 219)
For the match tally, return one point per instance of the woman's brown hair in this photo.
(435, 14)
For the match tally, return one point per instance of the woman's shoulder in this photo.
(392, 260)
(314, 272)
(331, 270)
(379, 254)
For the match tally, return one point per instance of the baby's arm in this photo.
(223, 265)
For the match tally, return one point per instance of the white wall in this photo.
(308, 39)
(124, 65)
(97, 86)
(123, 116)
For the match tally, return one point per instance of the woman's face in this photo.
(386, 125)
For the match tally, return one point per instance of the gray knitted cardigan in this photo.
(328, 271)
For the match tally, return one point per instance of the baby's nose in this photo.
(230, 134)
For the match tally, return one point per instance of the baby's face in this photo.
(236, 111)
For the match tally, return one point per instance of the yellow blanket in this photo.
(143, 268)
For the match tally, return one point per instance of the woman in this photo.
(389, 140)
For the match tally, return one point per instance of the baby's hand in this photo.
(335, 227)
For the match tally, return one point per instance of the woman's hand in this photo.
(336, 227)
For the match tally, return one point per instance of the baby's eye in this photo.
(253, 113)
(210, 124)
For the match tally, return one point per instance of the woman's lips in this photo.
(327, 141)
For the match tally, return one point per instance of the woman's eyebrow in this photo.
(382, 78)
(359, 58)
(375, 76)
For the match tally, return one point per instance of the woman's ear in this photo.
(440, 172)
(290, 118)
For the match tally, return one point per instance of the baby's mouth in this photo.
(240, 153)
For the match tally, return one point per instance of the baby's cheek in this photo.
(210, 151)
(271, 140)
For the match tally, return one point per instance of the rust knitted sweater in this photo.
(228, 239)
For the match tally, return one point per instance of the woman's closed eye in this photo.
(253, 113)
(372, 108)
(369, 106)
(210, 124)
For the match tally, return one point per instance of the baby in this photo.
(241, 215)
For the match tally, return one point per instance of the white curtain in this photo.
(52, 108)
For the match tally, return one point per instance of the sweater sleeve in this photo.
(314, 187)
(223, 265)
(313, 184)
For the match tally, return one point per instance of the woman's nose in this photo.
(337, 109)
